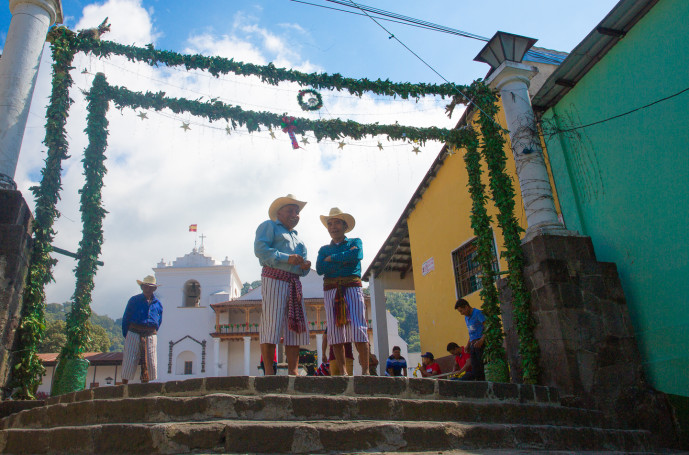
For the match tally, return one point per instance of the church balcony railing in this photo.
(237, 330)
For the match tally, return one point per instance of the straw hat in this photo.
(340, 215)
(150, 280)
(280, 203)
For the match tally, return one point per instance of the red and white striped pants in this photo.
(356, 330)
(274, 315)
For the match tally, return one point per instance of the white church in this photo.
(210, 329)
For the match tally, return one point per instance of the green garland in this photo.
(253, 120)
(480, 222)
(28, 369)
(503, 196)
(92, 214)
(66, 43)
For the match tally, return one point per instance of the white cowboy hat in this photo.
(340, 215)
(280, 203)
(150, 280)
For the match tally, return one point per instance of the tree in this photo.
(99, 341)
(402, 305)
(54, 337)
(246, 287)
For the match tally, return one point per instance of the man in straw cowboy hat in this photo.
(140, 323)
(283, 257)
(345, 312)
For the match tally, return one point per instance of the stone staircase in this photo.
(281, 414)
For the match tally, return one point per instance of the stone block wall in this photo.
(15, 253)
(586, 338)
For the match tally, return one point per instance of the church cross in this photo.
(202, 237)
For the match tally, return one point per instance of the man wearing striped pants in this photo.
(345, 312)
(283, 257)
(140, 324)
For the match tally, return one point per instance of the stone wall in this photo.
(15, 252)
(586, 338)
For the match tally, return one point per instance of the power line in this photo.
(406, 20)
(624, 113)
(392, 36)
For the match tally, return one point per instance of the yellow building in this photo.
(431, 249)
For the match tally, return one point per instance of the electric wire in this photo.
(392, 36)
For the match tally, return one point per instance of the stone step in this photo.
(236, 436)
(294, 408)
(369, 386)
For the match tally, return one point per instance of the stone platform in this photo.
(281, 414)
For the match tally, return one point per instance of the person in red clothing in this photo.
(430, 366)
(462, 359)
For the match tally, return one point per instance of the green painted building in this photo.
(615, 120)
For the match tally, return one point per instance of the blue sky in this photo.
(162, 178)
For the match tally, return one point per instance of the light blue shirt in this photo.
(475, 324)
(274, 244)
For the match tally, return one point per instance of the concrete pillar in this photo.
(216, 357)
(18, 68)
(512, 80)
(319, 349)
(380, 322)
(247, 356)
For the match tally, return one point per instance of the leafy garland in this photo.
(253, 120)
(480, 222)
(28, 369)
(92, 214)
(66, 43)
(307, 106)
(503, 196)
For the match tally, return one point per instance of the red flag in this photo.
(192, 228)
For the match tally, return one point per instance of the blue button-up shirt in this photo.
(139, 311)
(345, 260)
(275, 243)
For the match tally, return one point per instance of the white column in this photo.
(247, 356)
(18, 68)
(216, 357)
(319, 348)
(512, 80)
(380, 322)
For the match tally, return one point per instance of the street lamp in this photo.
(108, 380)
(504, 46)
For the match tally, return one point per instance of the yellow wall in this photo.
(439, 225)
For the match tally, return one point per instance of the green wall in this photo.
(625, 182)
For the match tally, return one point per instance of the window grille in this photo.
(467, 269)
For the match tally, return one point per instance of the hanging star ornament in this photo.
(304, 140)
(185, 126)
(380, 146)
(416, 150)
(272, 133)
(341, 145)
(142, 115)
(228, 130)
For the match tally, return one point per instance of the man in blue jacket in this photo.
(140, 324)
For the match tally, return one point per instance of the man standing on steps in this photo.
(140, 323)
(474, 319)
(283, 257)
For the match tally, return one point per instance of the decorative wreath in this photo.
(312, 103)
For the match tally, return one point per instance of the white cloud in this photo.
(131, 23)
(161, 179)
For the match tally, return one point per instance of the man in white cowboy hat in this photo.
(283, 257)
(345, 311)
(140, 324)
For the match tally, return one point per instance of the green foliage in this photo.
(246, 287)
(503, 196)
(28, 370)
(402, 305)
(92, 214)
(480, 223)
(55, 338)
